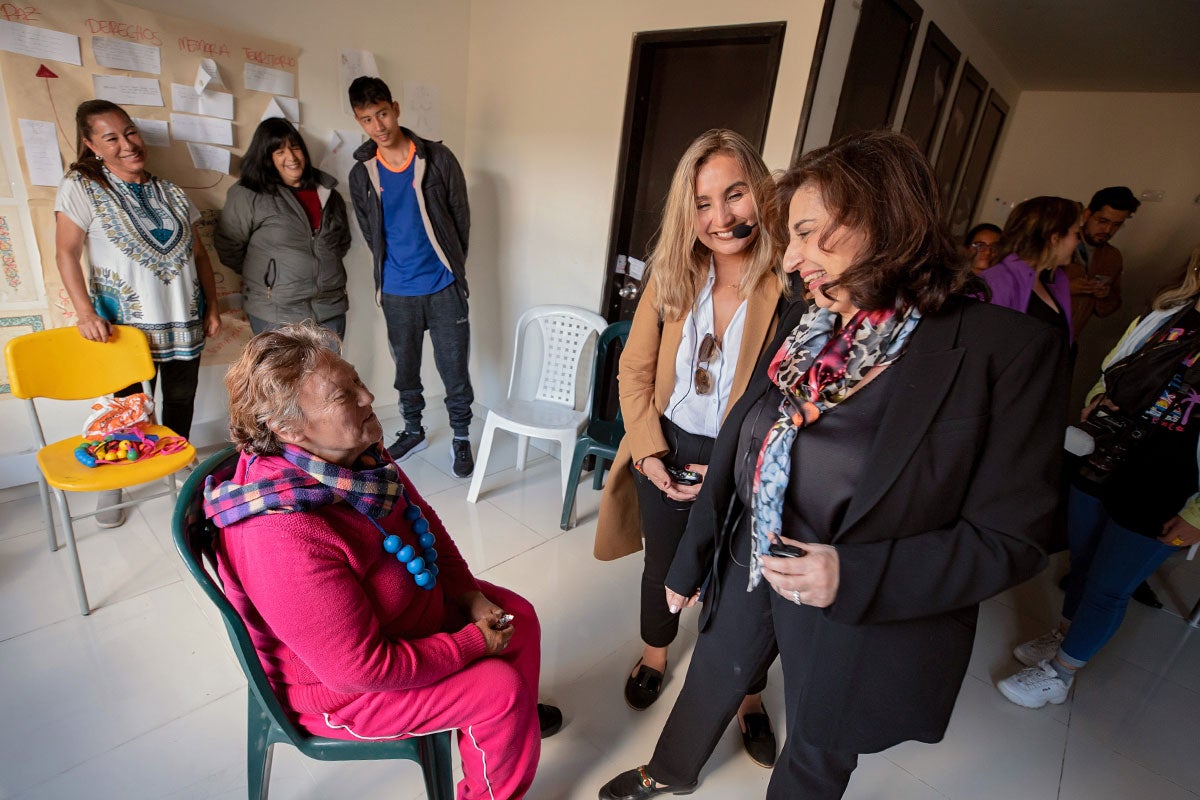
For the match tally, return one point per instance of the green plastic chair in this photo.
(267, 723)
(601, 437)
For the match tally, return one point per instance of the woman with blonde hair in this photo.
(709, 307)
(1135, 498)
(1039, 238)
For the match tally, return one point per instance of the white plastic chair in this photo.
(550, 401)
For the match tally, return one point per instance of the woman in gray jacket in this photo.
(285, 230)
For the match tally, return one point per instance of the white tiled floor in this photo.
(144, 700)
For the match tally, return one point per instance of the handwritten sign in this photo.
(119, 54)
(41, 152)
(202, 129)
(40, 43)
(271, 81)
(127, 91)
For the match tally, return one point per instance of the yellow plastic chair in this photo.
(60, 364)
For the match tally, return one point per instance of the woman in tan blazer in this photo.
(709, 307)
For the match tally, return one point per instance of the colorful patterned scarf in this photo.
(372, 486)
(816, 369)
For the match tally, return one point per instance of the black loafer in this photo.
(643, 687)
(1146, 596)
(759, 739)
(637, 785)
(550, 718)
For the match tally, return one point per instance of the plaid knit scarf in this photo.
(371, 486)
(816, 369)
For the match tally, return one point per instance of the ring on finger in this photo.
(796, 597)
(1177, 542)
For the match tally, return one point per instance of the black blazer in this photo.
(955, 504)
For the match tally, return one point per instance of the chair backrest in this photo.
(62, 365)
(566, 332)
(606, 431)
(194, 538)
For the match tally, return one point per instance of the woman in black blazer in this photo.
(897, 449)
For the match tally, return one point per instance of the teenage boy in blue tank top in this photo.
(410, 198)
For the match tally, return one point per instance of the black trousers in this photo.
(745, 633)
(663, 523)
(179, 382)
(444, 315)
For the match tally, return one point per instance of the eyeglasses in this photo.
(979, 247)
(709, 349)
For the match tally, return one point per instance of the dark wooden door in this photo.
(681, 84)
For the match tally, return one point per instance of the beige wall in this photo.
(1071, 144)
(546, 100)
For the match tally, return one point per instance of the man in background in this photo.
(410, 197)
(1095, 272)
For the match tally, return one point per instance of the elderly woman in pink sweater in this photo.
(367, 620)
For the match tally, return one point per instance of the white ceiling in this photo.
(1094, 45)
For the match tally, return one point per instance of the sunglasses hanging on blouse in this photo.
(710, 349)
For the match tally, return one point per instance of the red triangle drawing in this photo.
(45, 72)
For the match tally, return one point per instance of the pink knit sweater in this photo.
(331, 613)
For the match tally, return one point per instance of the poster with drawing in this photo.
(195, 87)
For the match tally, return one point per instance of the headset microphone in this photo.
(743, 230)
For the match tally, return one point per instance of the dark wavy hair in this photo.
(86, 163)
(878, 184)
(1031, 227)
(258, 168)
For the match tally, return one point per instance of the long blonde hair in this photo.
(1186, 290)
(678, 264)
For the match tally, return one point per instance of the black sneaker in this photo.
(550, 719)
(407, 443)
(464, 462)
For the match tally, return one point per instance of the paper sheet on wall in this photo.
(339, 156)
(285, 108)
(210, 103)
(208, 157)
(154, 132)
(41, 152)
(352, 64)
(39, 42)
(208, 76)
(120, 54)
(187, 128)
(422, 109)
(127, 91)
(271, 81)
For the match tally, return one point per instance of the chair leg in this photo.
(259, 749)
(522, 452)
(434, 750)
(565, 448)
(598, 473)
(485, 452)
(1194, 617)
(73, 549)
(47, 512)
(568, 508)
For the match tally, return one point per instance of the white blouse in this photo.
(701, 413)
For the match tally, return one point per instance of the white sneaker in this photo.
(1033, 687)
(1043, 648)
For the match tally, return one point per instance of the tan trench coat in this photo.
(646, 378)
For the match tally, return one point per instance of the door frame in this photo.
(636, 100)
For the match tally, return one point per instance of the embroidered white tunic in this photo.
(139, 247)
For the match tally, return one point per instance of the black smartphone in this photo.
(684, 477)
(781, 550)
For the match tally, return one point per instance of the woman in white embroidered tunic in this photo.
(147, 266)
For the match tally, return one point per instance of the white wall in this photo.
(415, 41)
(1071, 144)
(546, 101)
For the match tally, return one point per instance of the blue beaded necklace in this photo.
(421, 567)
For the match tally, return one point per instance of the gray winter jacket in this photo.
(289, 273)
